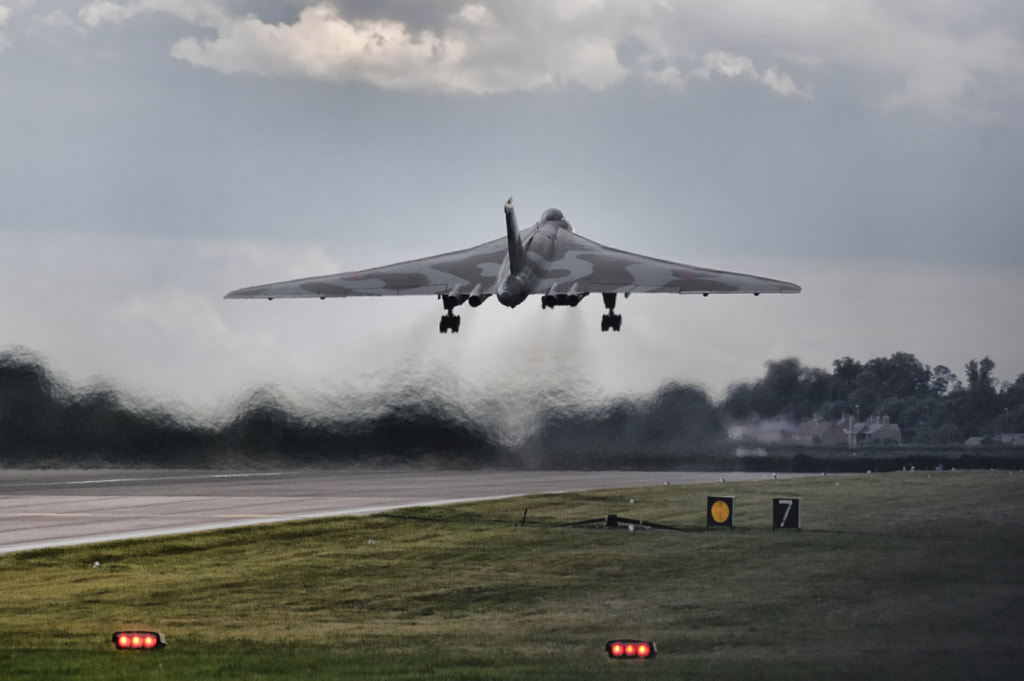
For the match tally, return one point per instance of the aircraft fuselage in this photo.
(527, 261)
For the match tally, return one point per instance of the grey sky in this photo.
(156, 154)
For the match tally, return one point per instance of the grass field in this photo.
(897, 576)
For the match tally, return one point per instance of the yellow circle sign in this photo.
(720, 511)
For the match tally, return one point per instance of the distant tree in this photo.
(1013, 420)
(942, 381)
(833, 410)
(788, 389)
(1011, 399)
(980, 383)
(868, 392)
(1013, 393)
(901, 375)
(844, 377)
(898, 409)
(975, 406)
(266, 424)
(30, 408)
(681, 414)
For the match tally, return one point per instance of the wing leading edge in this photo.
(463, 270)
(594, 268)
(548, 259)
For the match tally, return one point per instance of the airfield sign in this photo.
(785, 514)
(720, 512)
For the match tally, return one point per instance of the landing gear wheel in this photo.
(450, 322)
(611, 321)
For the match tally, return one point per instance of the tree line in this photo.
(932, 405)
(44, 421)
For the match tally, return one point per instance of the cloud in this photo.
(935, 56)
(722, 63)
(488, 48)
(205, 13)
(323, 45)
(475, 53)
(107, 12)
(479, 49)
(5, 15)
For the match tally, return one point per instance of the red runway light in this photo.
(138, 640)
(625, 649)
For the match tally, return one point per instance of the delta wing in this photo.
(446, 274)
(590, 267)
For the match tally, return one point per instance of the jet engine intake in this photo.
(553, 297)
(477, 296)
(453, 301)
(556, 299)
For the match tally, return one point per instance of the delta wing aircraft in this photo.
(548, 259)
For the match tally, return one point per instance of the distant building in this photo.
(764, 431)
(877, 430)
(817, 431)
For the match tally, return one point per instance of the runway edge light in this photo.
(630, 649)
(139, 640)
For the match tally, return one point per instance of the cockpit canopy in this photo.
(555, 215)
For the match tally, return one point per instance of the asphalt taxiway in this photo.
(42, 509)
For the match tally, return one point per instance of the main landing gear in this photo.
(611, 320)
(451, 321)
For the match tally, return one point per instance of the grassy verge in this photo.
(902, 575)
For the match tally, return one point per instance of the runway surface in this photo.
(42, 509)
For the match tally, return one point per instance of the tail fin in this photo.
(516, 254)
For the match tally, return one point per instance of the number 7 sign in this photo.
(785, 514)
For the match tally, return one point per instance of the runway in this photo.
(43, 509)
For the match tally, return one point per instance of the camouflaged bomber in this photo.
(548, 259)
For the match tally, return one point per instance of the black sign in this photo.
(785, 514)
(720, 512)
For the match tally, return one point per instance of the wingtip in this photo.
(240, 293)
